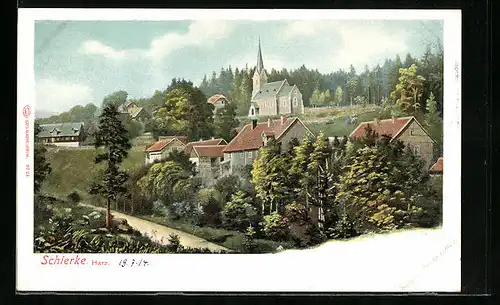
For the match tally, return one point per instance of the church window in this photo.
(253, 111)
(295, 101)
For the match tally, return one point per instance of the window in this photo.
(249, 155)
(416, 150)
(295, 101)
(213, 161)
(253, 111)
(242, 155)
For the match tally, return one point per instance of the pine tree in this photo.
(113, 136)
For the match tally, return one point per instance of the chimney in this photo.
(377, 120)
(201, 139)
(393, 119)
(269, 122)
(283, 119)
(254, 123)
(213, 138)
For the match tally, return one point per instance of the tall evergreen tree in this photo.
(113, 136)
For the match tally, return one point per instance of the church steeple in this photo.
(259, 76)
(260, 62)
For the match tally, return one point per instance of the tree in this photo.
(225, 121)
(239, 213)
(339, 96)
(113, 136)
(41, 166)
(185, 111)
(316, 98)
(116, 98)
(352, 83)
(409, 90)
(299, 170)
(164, 181)
(269, 175)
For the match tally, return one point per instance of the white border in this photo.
(291, 271)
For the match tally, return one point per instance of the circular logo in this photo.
(26, 111)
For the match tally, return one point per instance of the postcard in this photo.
(239, 150)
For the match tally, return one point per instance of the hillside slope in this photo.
(74, 169)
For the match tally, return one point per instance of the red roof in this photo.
(437, 168)
(389, 127)
(160, 145)
(190, 145)
(183, 139)
(209, 150)
(251, 139)
(214, 98)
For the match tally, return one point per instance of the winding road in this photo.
(159, 233)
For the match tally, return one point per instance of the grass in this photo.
(74, 170)
(230, 239)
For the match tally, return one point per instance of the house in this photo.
(134, 112)
(201, 142)
(406, 129)
(207, 159)
(62, 134)
(275, 98)
(437, 168)
(218, 100)
(183, 139)
(243, 148)
(162, 148)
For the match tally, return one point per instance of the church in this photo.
(275, 98)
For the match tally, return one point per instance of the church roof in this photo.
(260, 62)
(285, 90)
(270, 89)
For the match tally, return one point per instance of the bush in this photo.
(249, 244)
(239, 214)
(275, 227)
(301, 229)
(74, 197)
(174, 242)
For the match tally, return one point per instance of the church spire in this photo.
(260, 62)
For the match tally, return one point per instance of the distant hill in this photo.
(42, 114)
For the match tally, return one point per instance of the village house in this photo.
(437, 168)
(243, 148)
(406, 129)
(62, 134)
(163, 147)
(133, 111)
(211, 142)
(218, 100)
(275, 98)
(207, 159)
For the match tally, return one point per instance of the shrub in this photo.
(275, 227)
(249, 244)
(159, 208)
(174, 242)
(74, 197)
(301, 229)
(239, 214)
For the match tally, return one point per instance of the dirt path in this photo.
(159, 233)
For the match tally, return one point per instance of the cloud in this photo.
(55, 96)
(350, 43)
(98, 48)
(202, 32)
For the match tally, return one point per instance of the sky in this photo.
(80, 62)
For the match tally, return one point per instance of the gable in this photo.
(413, 129)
